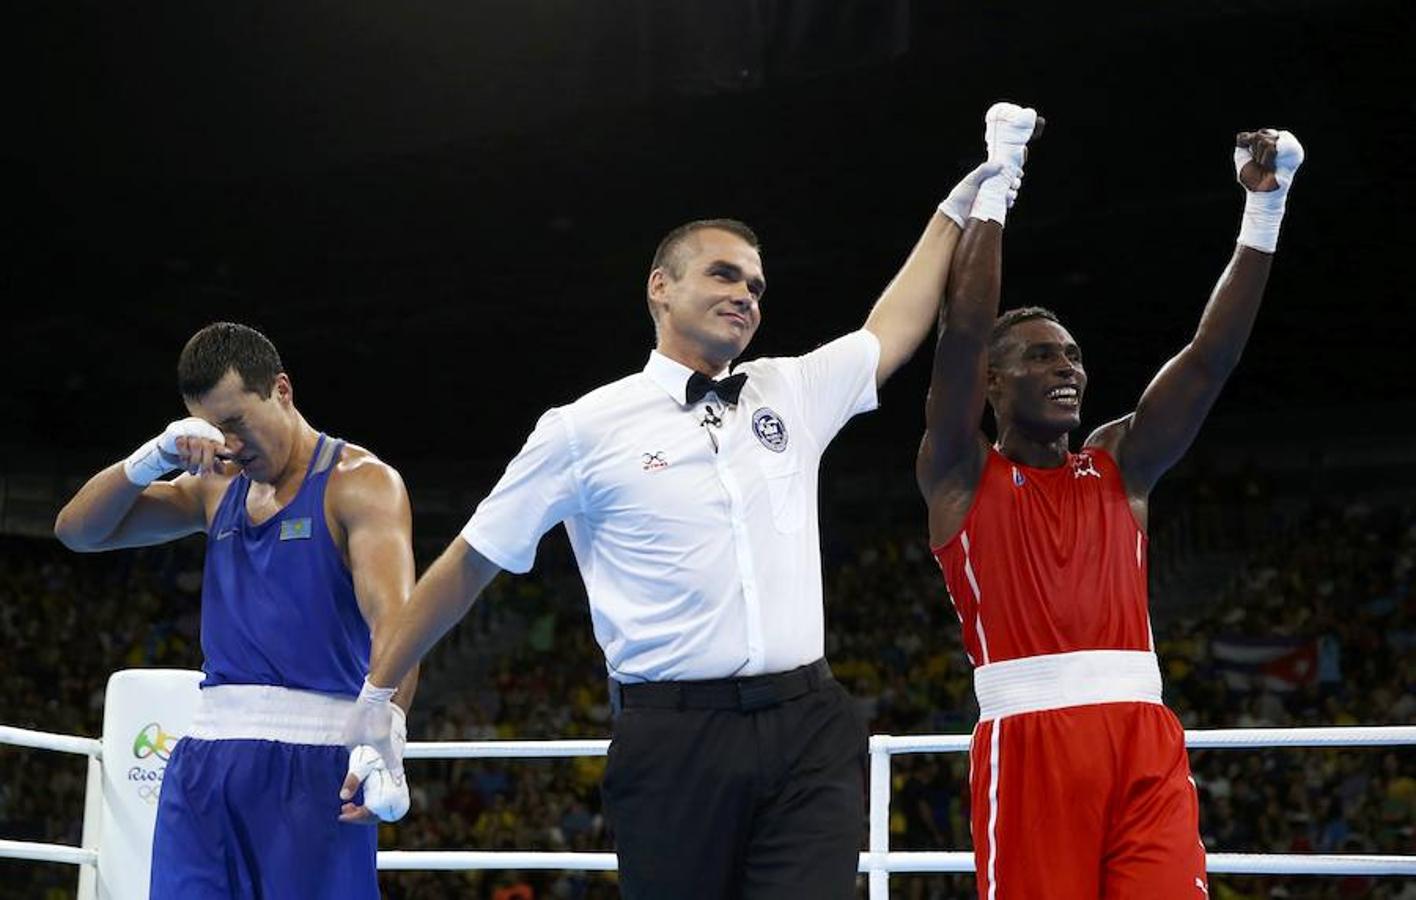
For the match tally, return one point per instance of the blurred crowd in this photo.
(67, 622)
(1316, 629)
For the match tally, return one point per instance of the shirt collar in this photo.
(671, 376)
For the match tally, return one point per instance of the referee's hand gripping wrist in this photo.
(371, 722)
(376, 733)
(957, 206)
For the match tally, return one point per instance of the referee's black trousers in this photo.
(764, 802)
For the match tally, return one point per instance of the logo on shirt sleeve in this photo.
(770, 429)
(296, 529)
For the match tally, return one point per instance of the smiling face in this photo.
(1036, 380)
(706, 299)
(260, 431)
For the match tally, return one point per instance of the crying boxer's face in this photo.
(257, 429)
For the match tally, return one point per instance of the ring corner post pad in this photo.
(145, 712)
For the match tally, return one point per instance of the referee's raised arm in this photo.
(908, 307)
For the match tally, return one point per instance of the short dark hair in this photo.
(997, 338)
(668, 257)
(222, 347)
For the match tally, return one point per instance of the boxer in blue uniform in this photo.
(308, 551)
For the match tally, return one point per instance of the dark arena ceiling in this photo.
(443, 212)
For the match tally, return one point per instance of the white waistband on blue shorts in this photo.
(262, 712)
(1059, 680)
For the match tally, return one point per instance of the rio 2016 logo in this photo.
(153, 741)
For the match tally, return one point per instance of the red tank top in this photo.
(1048, 561)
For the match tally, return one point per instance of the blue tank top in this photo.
(278, 603)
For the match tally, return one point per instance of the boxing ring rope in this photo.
(43, 740)
(878, 861)
(54, 853)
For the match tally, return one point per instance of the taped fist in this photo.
(1266, 160)
(1265, 163)
(192, 444)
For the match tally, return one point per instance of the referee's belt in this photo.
(743, 694)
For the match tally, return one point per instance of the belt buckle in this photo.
(756, 695)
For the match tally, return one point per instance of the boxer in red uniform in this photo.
(1080, 781)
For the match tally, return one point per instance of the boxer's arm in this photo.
(953, 451)
(371, 503)
(1174, 405)
(950, 456)
(368, 499)
(111, 511)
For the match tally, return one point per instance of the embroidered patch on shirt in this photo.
(654, 461)
(770, 429)
(296, 529)
(1083, 465)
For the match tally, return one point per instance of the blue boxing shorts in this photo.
(258, 818)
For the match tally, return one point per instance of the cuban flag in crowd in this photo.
(1275, 664)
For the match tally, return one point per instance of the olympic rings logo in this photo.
(147, 783)
(153, 741)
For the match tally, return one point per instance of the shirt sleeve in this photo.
(536, 491)
(838, 381)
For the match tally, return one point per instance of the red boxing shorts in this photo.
(1080, 783)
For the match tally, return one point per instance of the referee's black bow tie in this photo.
(727, 389)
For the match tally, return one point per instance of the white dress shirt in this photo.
(698, 543)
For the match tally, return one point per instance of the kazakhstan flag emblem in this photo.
(296, 529)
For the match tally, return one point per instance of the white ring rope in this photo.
(1215, 863)
(1309, 864)
(1229, 738)
(458, 860)
(44, 740)
(504, 749)
(896, 862)
(55, 853)
(902, 862)
(1355, 736)
(877, 863)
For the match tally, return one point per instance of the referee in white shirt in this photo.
(737, 766)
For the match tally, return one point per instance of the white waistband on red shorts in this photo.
(263, 712)
(1059, 680)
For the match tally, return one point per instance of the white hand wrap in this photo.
(159, 456)
(1263, 210)
(958, 205)
(385, 785)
